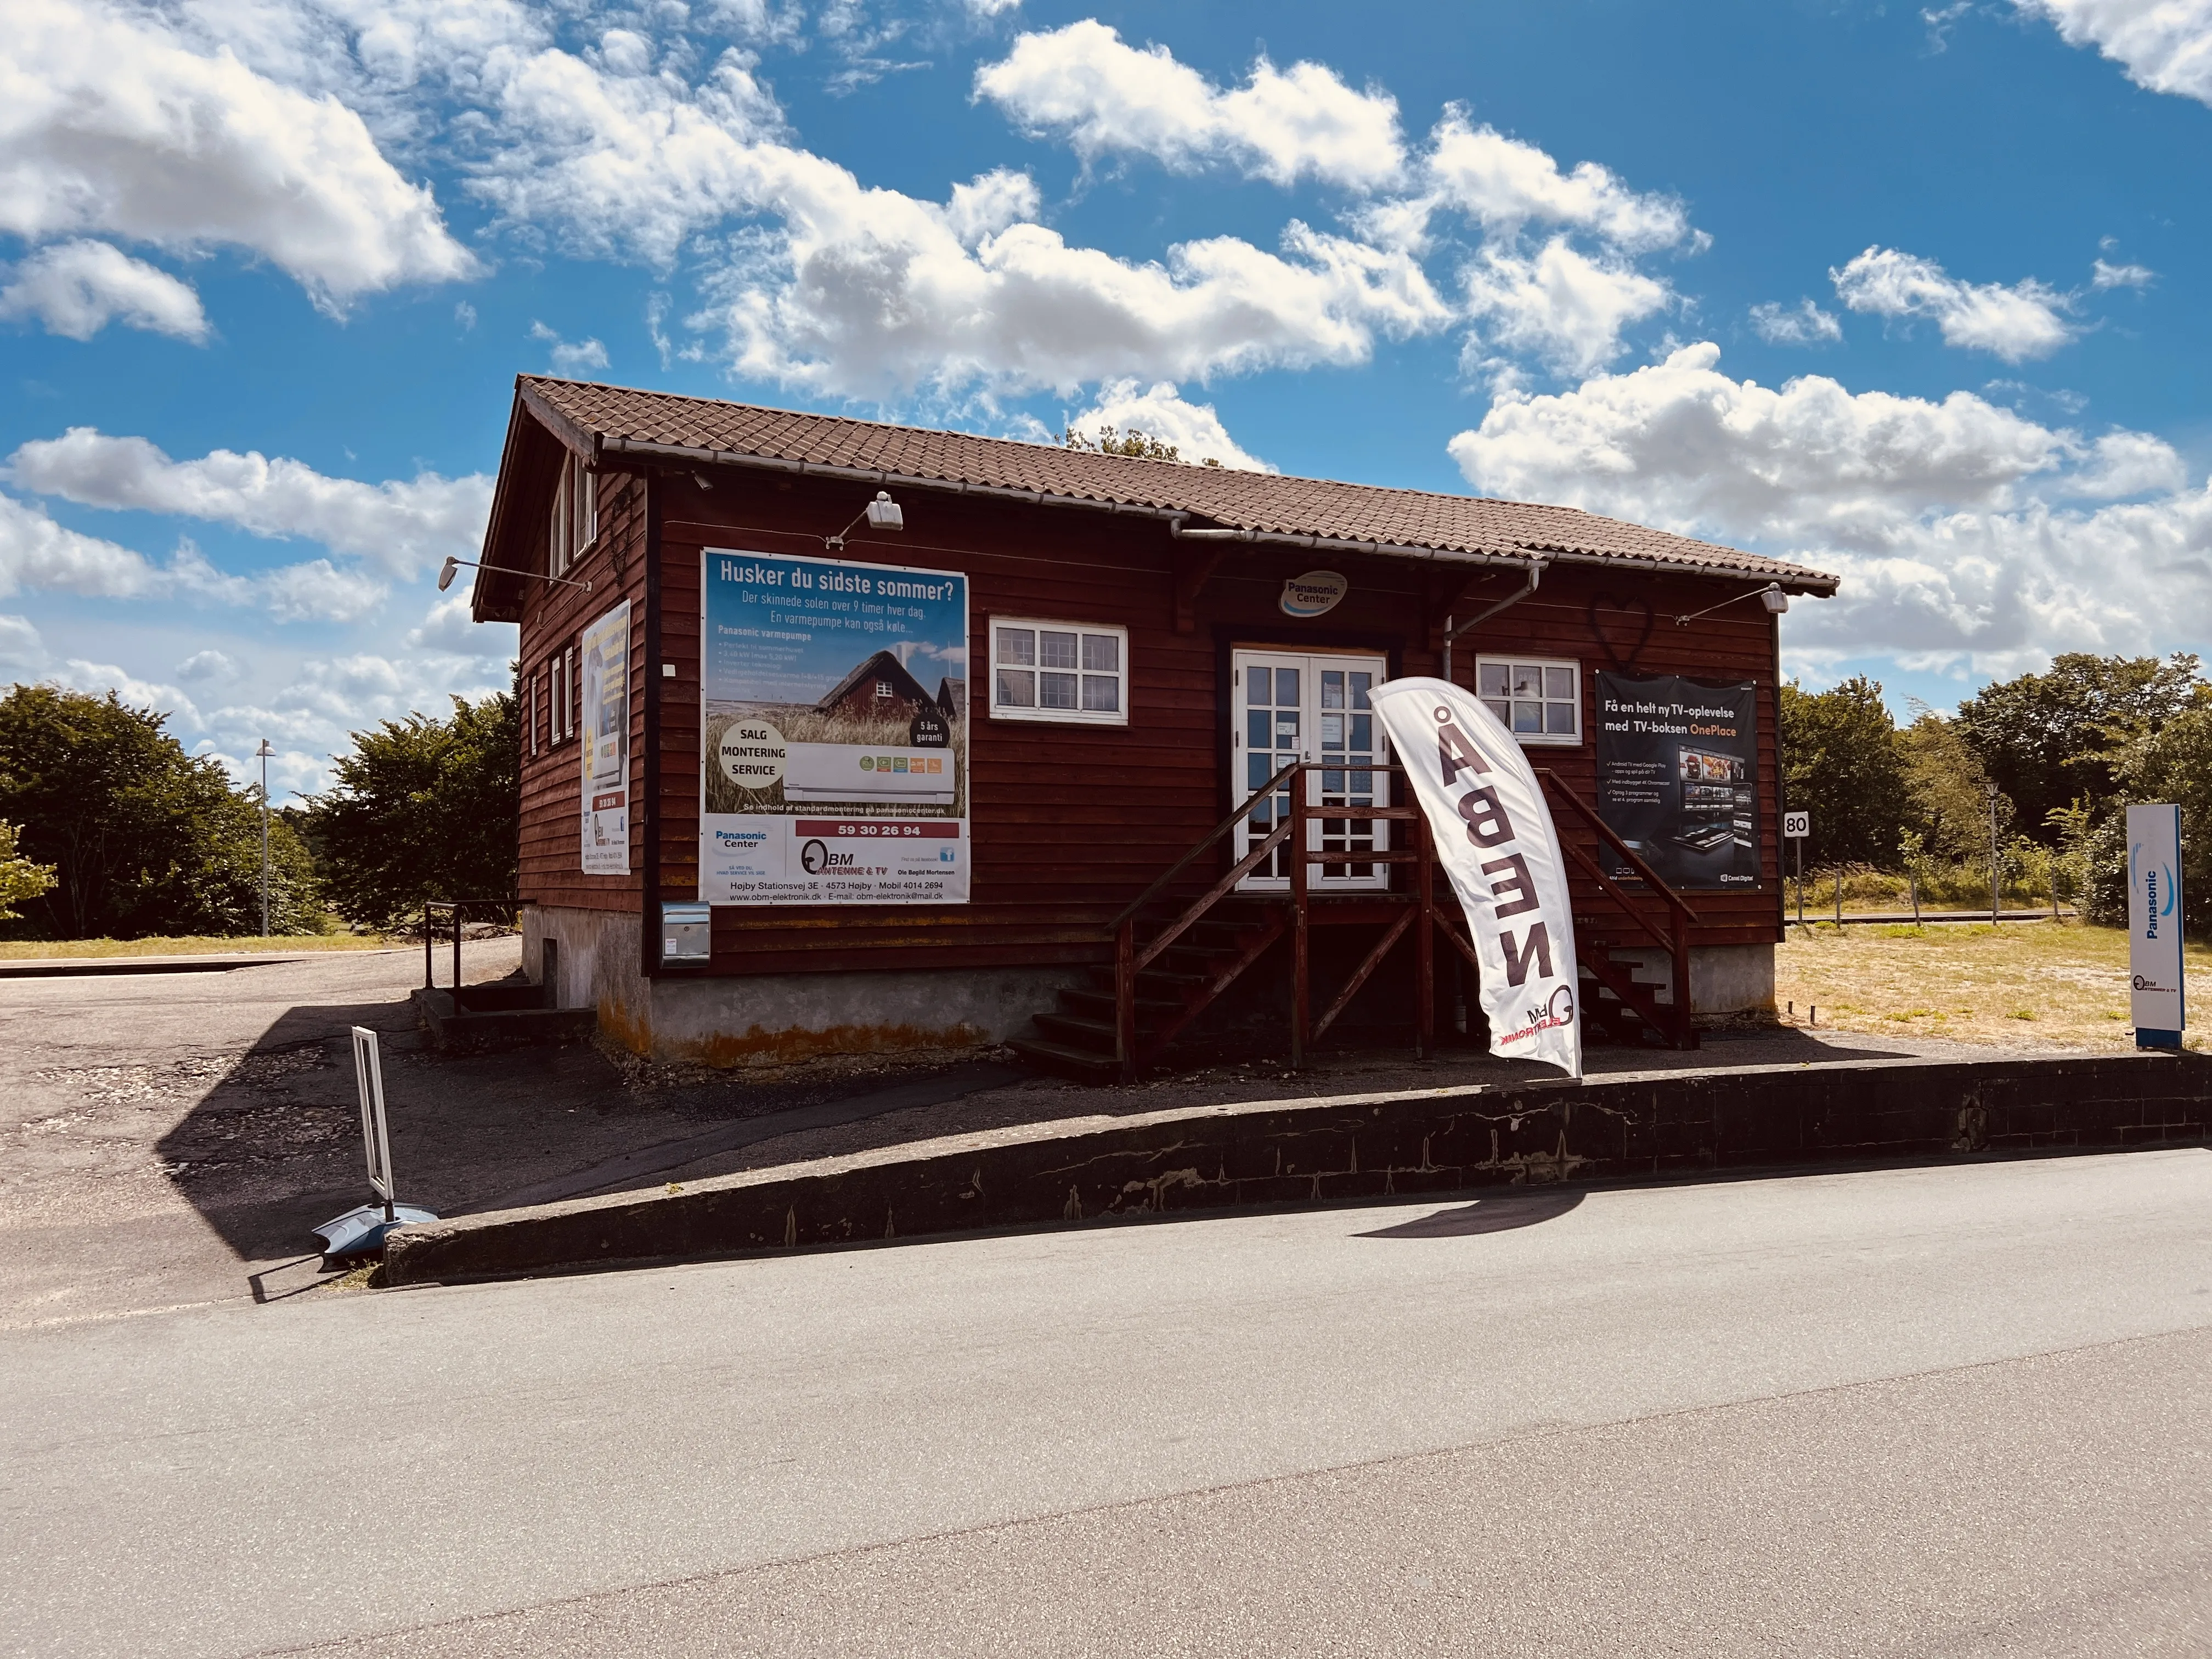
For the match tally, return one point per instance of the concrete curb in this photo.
(1638, 1126)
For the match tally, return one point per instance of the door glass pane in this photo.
(1286, 688)
(1359, 684)
(1332, 688)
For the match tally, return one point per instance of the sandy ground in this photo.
(171, 1138)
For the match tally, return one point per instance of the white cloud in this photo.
(1504, 184)
(1084, 84)
(76, 288)
(2103, 274)
(2165, 46)
(36, 552)
(400, 525)
(317, 591)
(111, 123)
(21, 650)
(626, 157)
(1804, 324)
(209, 665)
(2015, 322)
(1558, 303)
(448, 628)
(991, 8)
(1160, 412)
(1948, 521)
(570, 356)
(104, 676)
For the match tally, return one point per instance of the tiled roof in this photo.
(1268, 503)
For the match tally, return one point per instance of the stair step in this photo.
(1099, 1005)
(1091, 1036)
(1068, 1062)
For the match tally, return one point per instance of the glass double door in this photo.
(1291, 707)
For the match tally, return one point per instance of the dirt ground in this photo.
(2020, 985)
(172, 1139)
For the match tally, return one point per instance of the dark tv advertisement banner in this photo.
(833, 733)
(1678, 778)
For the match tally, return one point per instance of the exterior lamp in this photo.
(882, 513)
(452, 564)
(1771, 596)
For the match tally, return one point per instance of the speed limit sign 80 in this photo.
(1796, 826)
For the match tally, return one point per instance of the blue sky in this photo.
(1908, 294)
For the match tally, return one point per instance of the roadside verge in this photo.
(1642, 1126)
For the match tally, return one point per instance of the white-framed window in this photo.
(575, 524)
(1074, 672)
(530, 712)
(556, 682)
(1539, 699)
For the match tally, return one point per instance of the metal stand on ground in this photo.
(361, 1232)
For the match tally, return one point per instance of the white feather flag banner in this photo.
(1495, 839)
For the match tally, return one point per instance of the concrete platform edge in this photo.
(1658, 1125)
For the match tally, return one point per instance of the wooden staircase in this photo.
(1125, 1015)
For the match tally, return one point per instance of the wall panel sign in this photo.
(1678, 778)
(833, 733)
(605, 649)
(1313, 594)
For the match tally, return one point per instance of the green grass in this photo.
(44, 949)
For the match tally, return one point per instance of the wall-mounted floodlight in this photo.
(1771, 596)
(452, 564)
(882, 513)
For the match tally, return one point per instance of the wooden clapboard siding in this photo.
(552, 781)
(1070, 822)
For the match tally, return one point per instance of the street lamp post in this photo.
(264, 752)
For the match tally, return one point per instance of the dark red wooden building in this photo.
(1128, 654)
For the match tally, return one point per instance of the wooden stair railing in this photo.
(1157, 985)
(1672, 1020)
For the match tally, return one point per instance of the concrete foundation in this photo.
(1724, 978)
(773, 1019)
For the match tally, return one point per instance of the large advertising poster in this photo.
(604, 665)
(1678, 778)
(833, 733)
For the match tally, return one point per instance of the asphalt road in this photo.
(1956, 1411)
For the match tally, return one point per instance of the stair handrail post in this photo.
(1125, 998)
(1301, 990)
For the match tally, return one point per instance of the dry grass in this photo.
(2061, 985)
(46, 948)
(804, 723)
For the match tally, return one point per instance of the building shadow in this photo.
(1502, 1214)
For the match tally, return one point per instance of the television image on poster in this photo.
(829, 772)
(1678, 778)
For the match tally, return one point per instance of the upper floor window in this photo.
(575, 515)
(1072, 671)
(1540, 701)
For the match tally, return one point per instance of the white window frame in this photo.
(1535, 740)
(575, 517)
(1006, 711)
(530, 714)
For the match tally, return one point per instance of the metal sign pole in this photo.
(361, 1232)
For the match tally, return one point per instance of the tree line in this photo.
(2032, 774)
(109, 829)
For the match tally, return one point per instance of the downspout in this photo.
(1452, 630)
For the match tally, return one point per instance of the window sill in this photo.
(1056, 717)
